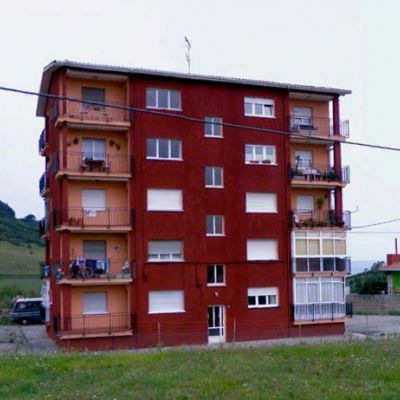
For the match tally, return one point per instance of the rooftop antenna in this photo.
(187, 54)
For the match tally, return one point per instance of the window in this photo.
(163, 98)
(305, 203)
(164, 149)
(262, 297)
(254, 107)
(319, 290)
(93, 94)
(262, 249)
(214, 177)
(304, 159)
(164, 200)
(213, 127)
(166, 301)
(93, 149)
(95, 249)
(259, 154)
(302, 117)
(316, 251)
(215, 225)
(93, 201)
(261, 203)
(165, 250)
(215, 275)
(94, 303)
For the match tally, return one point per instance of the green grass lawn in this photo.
(369, 370)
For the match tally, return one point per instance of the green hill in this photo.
(21, 250)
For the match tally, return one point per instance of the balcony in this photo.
(86, 272)
(321, 311)
(92, 325)
(93, 219)
(74, 112)
(43, 227)
(103, 166)
(43, 145)
(311, 265)
(320, 219)
(318, 127)
(317, 175)
(43, 185)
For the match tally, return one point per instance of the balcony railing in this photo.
(321, 264)
(320, 219)
(42, 141)
(43, 181)
(87, 112)
(321, 311)
(93, 217)
(92, 324)
(95, 162)
(81, 268)
(305, 171)
(43, 227)
(315, 126)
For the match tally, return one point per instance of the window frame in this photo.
(266, 292)
(259, 211)
(157, 157)
(170, 259)
(253, 101)
(264, 147)
(176, 311)
(213, 185)
(164, 209)
(213, 234)
(87, 106)
(215, 275)
(319, 281)
(213, 123)
(169, 91)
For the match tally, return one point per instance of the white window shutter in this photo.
(261, 202)
(95, 199)
(305, 202)
(164, 200)
(262, 249)
(95, 303)
(166, 301)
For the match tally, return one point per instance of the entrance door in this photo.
(216, 324)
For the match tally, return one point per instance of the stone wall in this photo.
(377, 304)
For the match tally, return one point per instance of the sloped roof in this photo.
(56, 64)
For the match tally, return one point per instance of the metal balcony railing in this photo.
(319, 311)
(88, 112)
(42, 141)
(91, 324)
(84, 268)
(307, 171)
(321, 264)
(93, 217)
(320, 219)
(43, 182)
(316, 126)
(95, 162)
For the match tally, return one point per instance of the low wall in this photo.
(375, 304)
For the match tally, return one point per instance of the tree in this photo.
(6, 211)
(371, 281)
(30, 218)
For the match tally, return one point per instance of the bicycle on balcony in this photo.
(79, 270)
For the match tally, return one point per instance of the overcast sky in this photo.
(343, 43)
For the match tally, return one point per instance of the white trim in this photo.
(173, 301)
(217, 284)
(169, 91)
(164, 200)
(213, 124)
(263, 102)
(169, 158)
(263, 292)
(266, 159)
(213, 171)
(262, 249)
(261, 203)
(214, 225)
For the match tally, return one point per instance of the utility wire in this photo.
(191, 119)
(376, 224)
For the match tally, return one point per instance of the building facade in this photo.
(183, 209)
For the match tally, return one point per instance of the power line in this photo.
(377, 223)
(191, 119)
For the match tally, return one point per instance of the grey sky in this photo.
(343, 43)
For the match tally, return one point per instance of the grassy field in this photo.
(368, 370)
(19, 271)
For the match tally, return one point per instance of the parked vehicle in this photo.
(28, 310)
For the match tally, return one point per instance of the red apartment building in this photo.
(170, 219)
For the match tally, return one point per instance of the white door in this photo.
(94, 149)
(93, 201)
(305, 203)
(216, 324)
(304, 159)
